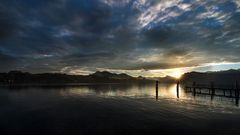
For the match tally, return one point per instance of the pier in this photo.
(211, 89)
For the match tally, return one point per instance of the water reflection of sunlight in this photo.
(169, 91)
(112, 91)
(165, 91)
(80, 91)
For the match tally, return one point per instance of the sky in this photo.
(137, 37)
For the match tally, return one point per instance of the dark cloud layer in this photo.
(60, 35)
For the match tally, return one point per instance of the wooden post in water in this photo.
(178, 89)
(224, 93)
(213, 90)
(156, 90)
(231, 91)
(194, 89)
(186, 89)
(237, 93)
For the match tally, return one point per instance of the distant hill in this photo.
(18, 77)
(227, 77)
(109, 75)
(166, 79)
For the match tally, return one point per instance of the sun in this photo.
(176, 74)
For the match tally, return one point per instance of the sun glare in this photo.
(176, 74)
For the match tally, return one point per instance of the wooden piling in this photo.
(194, 89)
(156, 90)
(213, 90)
(237, 93)
(178, 89)
(231, 91)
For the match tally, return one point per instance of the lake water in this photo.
(114, 109)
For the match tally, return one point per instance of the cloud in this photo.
(116, 3)
(8, 23)
(129, 35)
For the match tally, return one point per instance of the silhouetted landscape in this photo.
(227, 77)
(18, 77)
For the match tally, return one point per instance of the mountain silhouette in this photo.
(106, 74)
(18, 77)
(228, 77)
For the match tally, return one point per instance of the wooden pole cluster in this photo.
(234, 91)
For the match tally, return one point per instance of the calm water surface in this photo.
(114, 109)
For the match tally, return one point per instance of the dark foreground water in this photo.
(114, 109)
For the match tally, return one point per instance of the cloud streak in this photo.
(129, 35)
